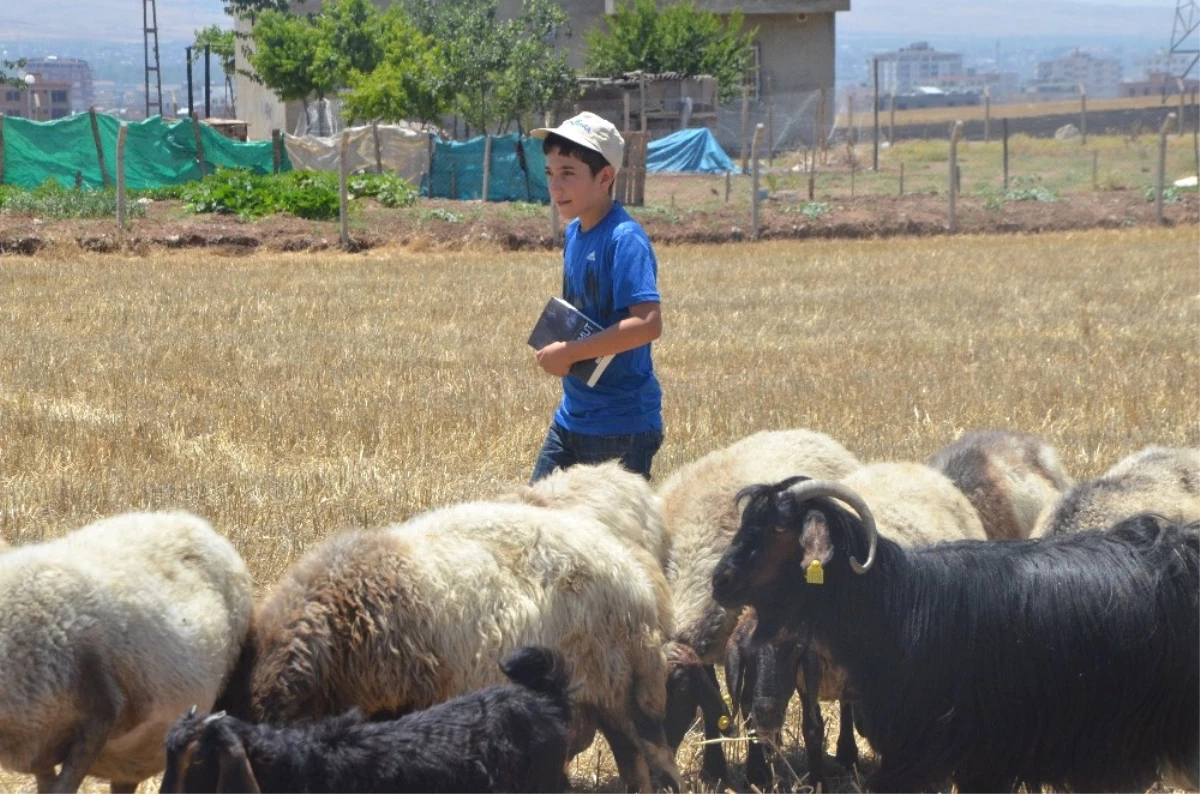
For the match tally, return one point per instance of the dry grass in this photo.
(1019, 110)
(286, 397)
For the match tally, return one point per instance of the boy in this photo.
(609, 274)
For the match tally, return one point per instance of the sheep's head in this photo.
(792, 537)
(690, 686)
(205, 754)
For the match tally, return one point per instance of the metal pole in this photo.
(343, 197)
(1162, 167)
(207, 84)
(875, 148)
(955, 135)
(191, 105)
(758, 128)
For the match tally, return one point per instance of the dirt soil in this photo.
(453, 224)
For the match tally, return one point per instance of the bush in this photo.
(52, 200)
(312, 195)
(388, 189)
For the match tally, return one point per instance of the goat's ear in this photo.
(816, 540)
(236, 773)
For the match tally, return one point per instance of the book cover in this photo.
(562, 322)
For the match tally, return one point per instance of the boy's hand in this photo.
(554, 359)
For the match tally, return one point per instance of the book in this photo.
(562, 322)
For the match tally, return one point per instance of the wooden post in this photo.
(875, 109)
(121, 177)
(1095, 169)
(745, 128)
(99, 146)
(1161, 174)
(754, 230)
(821, 129)
(199, 143)
(1004, 150)
(1, 148)
(276, 151)
(850, 131)
(901, 179)
(987, 114)
(642, 86)
(378, 147)
(812, 176)
(343, 195)
(728, 184)
(625, 104)
(487, 165)
(955, 135)
(770, 132)
(1083, 114)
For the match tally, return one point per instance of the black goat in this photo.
(761, 679)
(503, 738)
(1072, 662)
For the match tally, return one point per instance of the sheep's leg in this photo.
(847, 748)
(99, 700)
(714, 768)
(813, 723)
(631, 764)
(652, 743)
(758, 769)
(45, 780)
(123, 786)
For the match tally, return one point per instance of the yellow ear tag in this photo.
(723, 722)
(815, 573)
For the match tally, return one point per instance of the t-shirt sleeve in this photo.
(635, 271)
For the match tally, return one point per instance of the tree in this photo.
(537, 74)
(410, 81)
(221, 43)
(13, 82)
(679, 38)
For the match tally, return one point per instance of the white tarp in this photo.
(400, 150)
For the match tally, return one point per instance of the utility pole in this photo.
(150, 47)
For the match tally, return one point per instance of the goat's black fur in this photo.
(503, 738)
(1072, 662)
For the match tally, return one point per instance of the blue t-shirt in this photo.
(607, 269)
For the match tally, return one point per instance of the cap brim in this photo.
(571, 133)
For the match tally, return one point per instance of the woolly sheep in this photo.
(915, 506)
(108, 634)
(1009, 478)
(700, 517)
(409, 616)
(1162, 480)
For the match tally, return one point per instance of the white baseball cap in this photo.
(591, 132)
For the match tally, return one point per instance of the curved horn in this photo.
(211, 718)
(810, 489)
(192, 711)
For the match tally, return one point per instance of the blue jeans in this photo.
(562, 448)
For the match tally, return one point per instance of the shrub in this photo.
(52, 200)
(312, 195)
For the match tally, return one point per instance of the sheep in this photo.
(912, 504)
(1071, 662)
(403, 618)
(700, 517)
(1165, 480)
(511, 737)
(106, 635)
(1009, 478)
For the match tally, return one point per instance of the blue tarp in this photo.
(694, 150)
(518, 170)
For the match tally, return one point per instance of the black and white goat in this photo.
(1072, 662)
(504, 738)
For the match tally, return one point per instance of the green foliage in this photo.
(163, 193)
(52, 200)
(410, 81)
(809, 209)
(1036, 193)
(286, 51)
(388, 189)
(7, 80)
(1171, 194)
(221, 43)
(677, 38)
(442, 214)
(306, 194)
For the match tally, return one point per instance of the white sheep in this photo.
(1163, 480)
(406, 617)
(1009, 478)
(107, 635)
(914, 504)
(700, 516)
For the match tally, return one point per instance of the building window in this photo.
(58, 97)
(12, 96)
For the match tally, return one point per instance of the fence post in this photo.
(758, 128)
(276, 151)
(378, 147)
(199, 143)
(1161, 174)
(1, 148)
(821, 134)
(728, 184)
(1004, 156)
(875, 111)
(1083, 114)
(745, 127)
(99, 147)
(987, 114)
(770, 131)
(487, 165)
(625, 104)
(955, 135)
(1095, 169)
(343, 197)
(901, 178)
(121, 133)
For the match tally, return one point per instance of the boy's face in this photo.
(575, 192)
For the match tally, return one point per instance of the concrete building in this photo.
(67, 70)
(905, 70)
(1001, 86)
(1161, 62)
(1159, 85)
(794, 51)
(1101, 77)
(41, 100)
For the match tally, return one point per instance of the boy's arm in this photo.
(642, 326)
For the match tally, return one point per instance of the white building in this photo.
(67, 70)
(1161, 62)
(903, 71)
(1101, 77)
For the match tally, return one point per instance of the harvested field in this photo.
(288, 396)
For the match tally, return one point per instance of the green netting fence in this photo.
(157, 152)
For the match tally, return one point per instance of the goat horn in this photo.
(211, 718)
(810, 489)
(192, 711)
